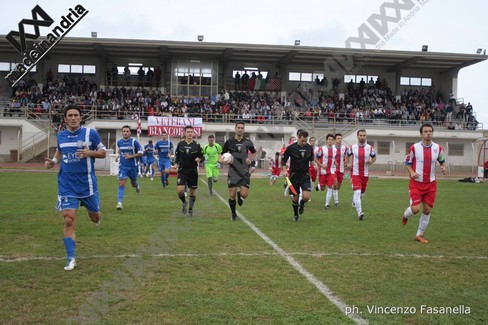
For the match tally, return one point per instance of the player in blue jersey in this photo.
(129, 150)
(164, 149)
(150, 159)
(76, 152)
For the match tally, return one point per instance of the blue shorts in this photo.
(130, 173)
(164, 164)
(92, 203)
(144, 160)
(151, 160)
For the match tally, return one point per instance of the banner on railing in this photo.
(174, 126)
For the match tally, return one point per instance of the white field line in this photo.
(6, 259)
(343, 307)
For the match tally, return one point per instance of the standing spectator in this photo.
(127, 75)
(238, 175)
(363, 155)
(188, 155)
(140, 76)
(212, 152)
(485, 174)
(237, 81)
(449, 110)
(300, 155)
(77, 183)
(420, 163)
(129, 150)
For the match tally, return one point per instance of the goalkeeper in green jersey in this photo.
(212, 152)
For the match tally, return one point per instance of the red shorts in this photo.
(276, 171)
(339, 177)
(359, 183)
(422, 192)
(313, 173)
(326, 180)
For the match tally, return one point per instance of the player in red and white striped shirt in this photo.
(340, 164)
(275, 167)
(326, 163)
(362, 155)
(420, 163)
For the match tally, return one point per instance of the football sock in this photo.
(356, 197)
(120, 193)
(210, 183)
(423, 223)
(182, 197)
(328, 196)
(69, 246)
(408, 213)
(239, 197)
(335, 193)
(232, 205)
(152, 172)
(162, 179)
(295, 208)
(192, 201)
(302, 203)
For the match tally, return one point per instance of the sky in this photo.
(449, 26)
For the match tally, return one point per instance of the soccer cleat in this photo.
(186, 194)
(119, 206)
(327, 206)
(70, 264)
(183, 208)
(420, 238)
(234, 217)
(190, 212)
(152, 178)
(336, 203)
(301, 208)
(404, 220)
(317, 188)
(295, 218)
(361, 216)
(138, 189)
(353, 205)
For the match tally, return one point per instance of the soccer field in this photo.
(149, 264)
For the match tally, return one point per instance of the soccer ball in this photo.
(227, 158)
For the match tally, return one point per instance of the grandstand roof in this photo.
(150, 51)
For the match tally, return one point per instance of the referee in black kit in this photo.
(188, 155)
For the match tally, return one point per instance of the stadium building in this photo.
(276, 89)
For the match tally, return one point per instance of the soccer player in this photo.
(212, 152)
(238, 175)
(150, 159)
(363, 155)
(275, 168)
(300, 154)
(76, 152)
(326, 161)
(129, 150)
(312, 169)
(164, 149)
(420, 163)
(188, 155)
(340, 159)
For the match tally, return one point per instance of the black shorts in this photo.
(301, 181)
(236, 179)
(188, 177)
